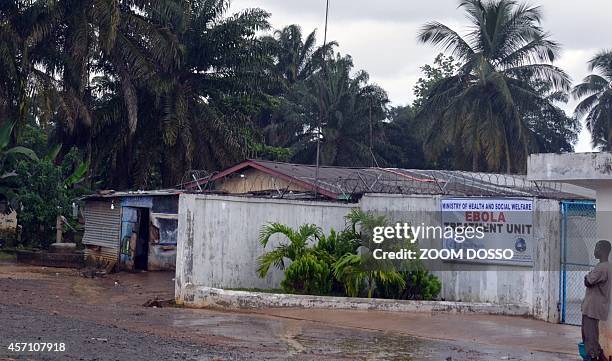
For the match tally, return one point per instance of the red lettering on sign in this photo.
(485, 217)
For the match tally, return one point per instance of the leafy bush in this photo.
(340, 262)
(300, 242)
(422, 285)
(43, 198)
(418, 285)
(308, 275)
(335, 245)
(45, 191)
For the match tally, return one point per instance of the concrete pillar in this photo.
(604, 231)
(591, 171)
(58, 229)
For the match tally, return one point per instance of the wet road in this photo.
(103, 319)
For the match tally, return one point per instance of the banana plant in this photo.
(6, 153)
(7, 157)
(78, 174)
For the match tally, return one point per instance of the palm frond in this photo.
(439, 34)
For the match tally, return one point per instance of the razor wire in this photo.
(348, 183)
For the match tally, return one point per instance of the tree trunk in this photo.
(508, 158)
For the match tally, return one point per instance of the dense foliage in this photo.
(149, 91)
(45, 192)
(596, 105)
(341, 263)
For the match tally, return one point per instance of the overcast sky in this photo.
(381, 35)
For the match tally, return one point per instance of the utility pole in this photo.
(371, 135)
(318, 132)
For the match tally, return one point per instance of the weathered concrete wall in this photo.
(229, 299)
(8, 221)
(161, 258)
(589, 170)
(8, 227)
(218, 237)
(217, 247)
(537, 286)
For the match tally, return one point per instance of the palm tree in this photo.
(344, 110)
(24, 30)
(359, 271)
(596, 89)
(480, 109)
(297, 58)
(188, 98)
(300, 243)
(125, 40)
(293, 59)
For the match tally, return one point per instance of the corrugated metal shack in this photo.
(132, 230)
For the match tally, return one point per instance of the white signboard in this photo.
(506, 224)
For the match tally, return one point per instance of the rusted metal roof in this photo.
(120, 194)
(349, 183)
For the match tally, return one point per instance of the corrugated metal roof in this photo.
(348, 182)
(118, 194)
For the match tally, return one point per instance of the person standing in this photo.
(596, 301)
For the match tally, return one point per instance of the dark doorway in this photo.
(141, 256)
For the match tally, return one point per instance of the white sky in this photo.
(381, 35)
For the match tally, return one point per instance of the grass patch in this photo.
(5, 256)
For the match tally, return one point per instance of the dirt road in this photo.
(103, 319)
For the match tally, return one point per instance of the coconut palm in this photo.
(480, 109)
(596, 105)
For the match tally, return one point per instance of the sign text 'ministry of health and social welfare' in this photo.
(506, 224)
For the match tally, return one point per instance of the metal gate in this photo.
(578, 238)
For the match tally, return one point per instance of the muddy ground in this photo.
(103, 318)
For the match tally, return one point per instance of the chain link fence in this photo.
(579, 235)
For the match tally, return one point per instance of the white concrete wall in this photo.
(217, 247)
(604, 231)
(218, 237)
(537, 287)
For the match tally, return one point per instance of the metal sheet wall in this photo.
(102, 224)
(104, 254)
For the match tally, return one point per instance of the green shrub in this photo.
(337, 244)
(308, 275)
(332, 264)
(422, 285)
(44, 192)
(418, 285)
